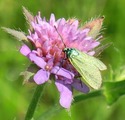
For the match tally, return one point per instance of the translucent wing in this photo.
(99, 64)
(89, 68)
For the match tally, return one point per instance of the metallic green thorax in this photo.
(70, 52)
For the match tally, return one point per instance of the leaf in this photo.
(113, 91)
(17, 34)
(120, 74)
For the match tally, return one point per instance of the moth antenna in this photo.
(60, 36)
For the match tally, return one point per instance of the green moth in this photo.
(88, 66)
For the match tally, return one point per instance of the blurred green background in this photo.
(15, 97)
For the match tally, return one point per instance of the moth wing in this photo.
(92, 60)
(99, 64)
(90, 74)
(88, 68)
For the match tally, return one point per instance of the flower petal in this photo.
(80, 86)
(41, 76)
(65, 94)
(25, 50)
(62, 72)
(91, 53)
(37, 60)
(52, 19)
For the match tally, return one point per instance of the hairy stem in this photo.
(34, 101)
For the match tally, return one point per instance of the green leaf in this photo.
(113, 91)
(120, 74)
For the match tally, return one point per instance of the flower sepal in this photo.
(29, 73)
(19, 35)
(29, 17)
(95, 26)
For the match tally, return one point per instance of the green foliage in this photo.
(113, 91)
(15, 97)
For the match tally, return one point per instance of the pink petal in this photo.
(85, 31)
(88, 38)
(41, 76)
(25, 50)
(62, 72)
(91, 53)
(52, 19)
(80, 86)
(66, 99)
(95, 44)
(37, 60)
(65, 94)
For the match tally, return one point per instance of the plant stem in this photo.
(82, 97)
(34, 101)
